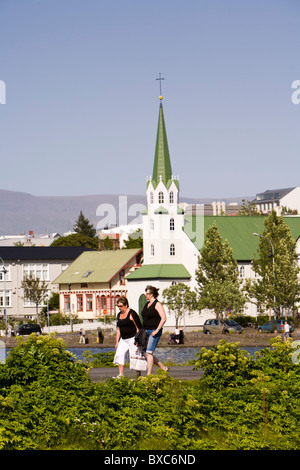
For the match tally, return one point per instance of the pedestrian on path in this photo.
(154, 317)
(82, 336)
(128, 323)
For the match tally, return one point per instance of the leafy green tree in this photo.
(249, 208)
(180, 299)
(135, 240)
(219, 287)
(276, 284)
(84, 227)
(34, 291)
(77, 239)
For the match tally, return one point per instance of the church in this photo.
(170, 256)
(172, 240)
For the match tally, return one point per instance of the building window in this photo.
(103, 302)
(171, 197)
(7, 297)
(67, 305)
(172, 224)
(122, 277)
(151, 225)
(161, 198)
(242, 271)
(151, 198)
(89, 302)
(36, 271)
(172, 249)
(79, 303)
(152, 250)
(5, 277)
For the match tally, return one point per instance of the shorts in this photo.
(152, 340)
(124, 346)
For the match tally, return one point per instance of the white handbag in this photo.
(138, 361)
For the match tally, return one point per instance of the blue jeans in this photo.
(152, 340)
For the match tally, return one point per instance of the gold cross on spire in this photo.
(160, 79)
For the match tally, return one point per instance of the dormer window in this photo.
(171, 197)
(161, 197)
(122, 277)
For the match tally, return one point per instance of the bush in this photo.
(47, 401)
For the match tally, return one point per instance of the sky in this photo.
(80, 97)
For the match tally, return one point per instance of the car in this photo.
(28, 328)
(226, 326)
(274, 326)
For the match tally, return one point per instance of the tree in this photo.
(135, 240)
(180, 298)
(76, 239)
(34, 291)
(219, 287)
(277, 283)
(249, 208)
(84, 227)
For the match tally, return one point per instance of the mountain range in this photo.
(22, 212)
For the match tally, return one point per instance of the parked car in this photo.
(274, 326)
(226, 326)
(28, 328)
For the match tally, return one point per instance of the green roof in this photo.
(238, 230)
(96, 266)
(159, 271)
(161, 210)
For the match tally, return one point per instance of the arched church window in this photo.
(171, 197)
(161, 198)
(242, 271)
(172, 224)
(152, 250)
(172, 249)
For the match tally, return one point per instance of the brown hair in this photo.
(152, 290)
(123, 300)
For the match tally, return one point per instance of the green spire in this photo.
(162, 164)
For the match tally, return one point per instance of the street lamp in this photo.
(69, 284)
(4, 303)
(273, 254)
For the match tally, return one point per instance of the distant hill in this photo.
(22, 212)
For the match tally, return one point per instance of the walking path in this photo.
(177, 372)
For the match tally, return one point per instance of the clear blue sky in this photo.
(82, 97)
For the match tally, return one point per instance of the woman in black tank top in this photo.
(154, 318)
(128, 323)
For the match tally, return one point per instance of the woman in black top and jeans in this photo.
(154, 318)
(128, 323)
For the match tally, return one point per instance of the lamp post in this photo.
(273, 260)
(4, 303)
(69, 285)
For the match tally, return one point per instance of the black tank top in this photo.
(127, 327)
(151, 317)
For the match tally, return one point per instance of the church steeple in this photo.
(162, 170)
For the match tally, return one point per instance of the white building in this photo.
(277, 199)
(45, 263)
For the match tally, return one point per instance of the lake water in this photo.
(177, 355)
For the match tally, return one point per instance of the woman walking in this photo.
(154, 317)
(128, 323)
